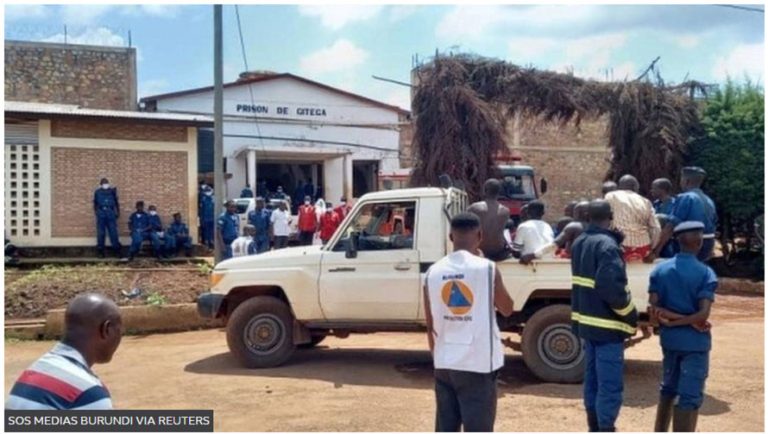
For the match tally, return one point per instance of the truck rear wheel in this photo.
(260, 333)
(550, 348)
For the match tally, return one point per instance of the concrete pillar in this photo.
(251, 163)
(313, 173)
(347, 178)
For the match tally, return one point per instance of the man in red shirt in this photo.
(329, 222)
(307, 222)
(342, 210)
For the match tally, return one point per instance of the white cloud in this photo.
(744, 59)
(156, 10)
(688, 41)
(83, 14)
(401, 12)
(522, 50)
(22, 11)
(97, 36)
(337, 16)
(340, 56)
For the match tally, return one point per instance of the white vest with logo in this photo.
(463, 314)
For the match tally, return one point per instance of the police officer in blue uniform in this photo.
(682, 290)
(246, 192)
(229, 224)
(143, 228)
(661, 193)
(207, 217)
(259, 219)
(603, 315)
(107, 209)
(691, 205)
(176, 235)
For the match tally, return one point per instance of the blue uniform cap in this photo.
(694, 170)
(688, 226)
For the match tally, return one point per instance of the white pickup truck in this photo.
(369, 277)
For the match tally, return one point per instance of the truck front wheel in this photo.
(260, 332)
(550, 348)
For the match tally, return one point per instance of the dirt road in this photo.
(383, 382)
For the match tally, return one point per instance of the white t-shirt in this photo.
(281, 223)
(463, 314)
(532, 235)
(240, 246)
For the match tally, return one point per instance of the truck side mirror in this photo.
(543, 185)
(354, 240)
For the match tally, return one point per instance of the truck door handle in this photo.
(403, 266)
(341, 270)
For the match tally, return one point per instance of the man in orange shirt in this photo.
(329, 222)
(307, 222)
(342, 209)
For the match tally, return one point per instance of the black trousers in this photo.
(281, 242)
(465, 399)
(305, 238)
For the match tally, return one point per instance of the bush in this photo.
(731, 150)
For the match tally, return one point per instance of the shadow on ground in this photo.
(413, 369)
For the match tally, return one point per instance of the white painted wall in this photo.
(295, 135)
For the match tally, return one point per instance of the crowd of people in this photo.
(646, 224)
(269, 227)
(600, 236)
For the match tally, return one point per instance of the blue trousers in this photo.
(685, 373)
(172, 243)
(604, 381)
(227, 252)
(706, 250)
(262, 244)
(107, 224)
(139, 237)
(208, 233)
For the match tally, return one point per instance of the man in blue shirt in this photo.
(661, 193)
(107, 210)
(207, 219)
(682, 290)
(690, 205)
(178, 234)
(229, 224)
(247, 192)
(140, 228)
(259, 219)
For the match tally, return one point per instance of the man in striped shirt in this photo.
(62, 378)
(633, 216)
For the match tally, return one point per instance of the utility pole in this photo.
(219, 191)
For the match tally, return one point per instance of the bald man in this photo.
(608, 187)
(633, 216)
(493, 219)
(62, 379)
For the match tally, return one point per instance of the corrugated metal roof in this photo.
(36, 108)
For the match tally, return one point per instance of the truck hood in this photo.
(288, 257)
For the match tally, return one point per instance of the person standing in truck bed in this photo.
(493, 219)
(461, 293)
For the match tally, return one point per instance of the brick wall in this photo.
(158, 178)
(406, 142)
(117, 130)
(89, 76)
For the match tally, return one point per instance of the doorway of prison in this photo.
(298, 179)
(365, 177)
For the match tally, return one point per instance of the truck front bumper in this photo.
(208, 304)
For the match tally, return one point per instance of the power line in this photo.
(242, 43)
(250, 88)
(743, 8)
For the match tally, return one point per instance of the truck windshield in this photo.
(515, 186)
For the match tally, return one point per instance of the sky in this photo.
(344, 46)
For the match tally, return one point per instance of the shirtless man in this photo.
(493, 218)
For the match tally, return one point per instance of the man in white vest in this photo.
(462, 292)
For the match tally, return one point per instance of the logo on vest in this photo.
(457, 297)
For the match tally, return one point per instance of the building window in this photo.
(15, 157)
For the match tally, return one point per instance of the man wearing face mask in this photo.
(307, 222)
(342, 209)
(107, 210)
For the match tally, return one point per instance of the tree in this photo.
(731, 150)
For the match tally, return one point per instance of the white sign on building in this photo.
(281, 129)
